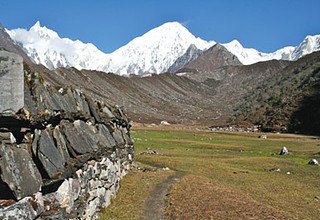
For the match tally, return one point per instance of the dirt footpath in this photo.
(156, 203)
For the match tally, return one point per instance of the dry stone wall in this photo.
(62, 154)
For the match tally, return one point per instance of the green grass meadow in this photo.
(240, 161)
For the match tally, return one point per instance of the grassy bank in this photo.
(224, 175)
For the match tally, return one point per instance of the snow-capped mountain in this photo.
(154, 52)
(44, 46)
(308, 45)
(249, 56)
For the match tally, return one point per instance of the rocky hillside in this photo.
(212, 97)
(289, 101)
(151, 99)
(206, 98)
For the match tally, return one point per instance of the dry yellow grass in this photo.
(133, 193)
(198, 197)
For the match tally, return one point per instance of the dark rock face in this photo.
(49, 155)
(61, 136)
(215, 57)
(18, 170)
(105, 137)
(191, 54)
(78, 140)
(61, 143)
(118, 138)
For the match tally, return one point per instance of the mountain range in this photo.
(208, 86)
(166, 48)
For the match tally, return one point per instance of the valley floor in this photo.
(219, 176)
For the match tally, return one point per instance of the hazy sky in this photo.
(263, 24)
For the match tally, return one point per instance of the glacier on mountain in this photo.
(168, 45)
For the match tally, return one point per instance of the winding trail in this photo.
(155, 205)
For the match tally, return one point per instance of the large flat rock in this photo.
(78, 138)
(50, 157)
(18, 170)
(11, 82)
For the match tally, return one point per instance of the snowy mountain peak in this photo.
(312, 37)
(249, 56)
(245, 55)
(308, 45)
(170, 32)
(173, 26)
(311, 41)
(43, 32)
(177, 31)
(37, 25)
(44, 46)
(154, 51)
(235, 43)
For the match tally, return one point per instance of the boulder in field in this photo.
(284, 151)
(164, 123)
(263, 136)
(313, 162)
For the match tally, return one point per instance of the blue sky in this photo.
(263, 24)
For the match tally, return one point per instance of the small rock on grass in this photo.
(275, 170)
(148, 151)
(284, 151)
(313, 162)
(263, 136)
